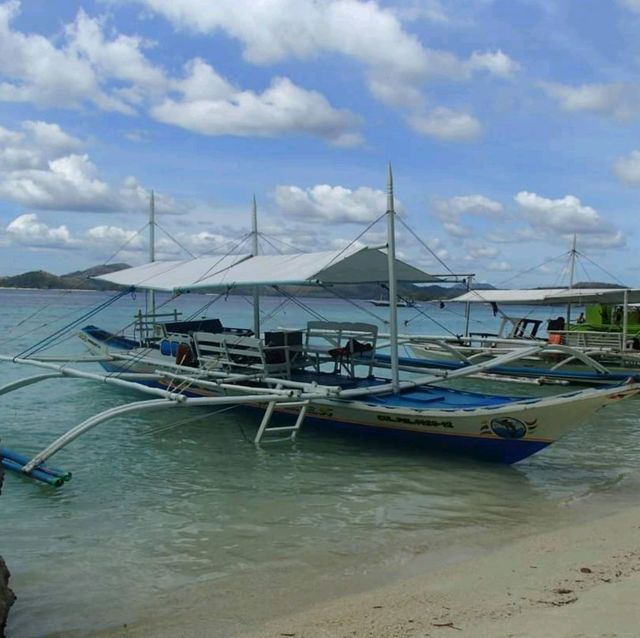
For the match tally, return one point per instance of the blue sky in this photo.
(510, 125)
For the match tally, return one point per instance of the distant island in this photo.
(82, 280)
(77, 280)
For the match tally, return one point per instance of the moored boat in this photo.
(326, 373)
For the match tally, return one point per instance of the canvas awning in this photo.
(169, 275)
(353, 266)
(550, 296)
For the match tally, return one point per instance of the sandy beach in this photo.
(577, 581)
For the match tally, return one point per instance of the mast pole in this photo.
(467, 308)
(572, 272)
(393, 295)
(152, 252)
(254, 252)
(625, 319)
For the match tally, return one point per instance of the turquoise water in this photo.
(164, 507)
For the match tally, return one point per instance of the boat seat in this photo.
(344, 343)
(236, 352)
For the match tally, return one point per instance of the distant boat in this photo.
(602, 347)
(399, 304)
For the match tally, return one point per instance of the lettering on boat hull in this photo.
(319, 410)
(408, 420)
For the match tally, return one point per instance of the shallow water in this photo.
(162, 505)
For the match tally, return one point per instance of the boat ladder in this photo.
(292, 430)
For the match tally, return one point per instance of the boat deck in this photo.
(417, 398)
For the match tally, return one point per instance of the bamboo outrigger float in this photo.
(322, 374)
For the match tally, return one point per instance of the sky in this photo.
(511, 126)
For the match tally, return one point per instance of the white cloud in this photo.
(627, 169)
(40, 168)
(276, 30)
(120, 59)
(110, 70)
(446, 124)
(617, 100)
(28, 230)
(50, 138)
(439, 248)
(67, 183)
(482, 252)
(335, 204)
(457, 230)
(614, 239)
(500, 266)
(101, 241)
(396, 63)
(477, 205)
(429, 10)
(494, 62)
(210, 105)
(564, 217)
(39, 72)
(633, 5)
(32, 148)
(452, 211)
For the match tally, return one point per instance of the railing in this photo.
(591, 339)
(145, 324)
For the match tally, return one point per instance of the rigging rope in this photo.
(175, 241)
(413, 233)
(354, 303)
(300, 304)
(51, 339)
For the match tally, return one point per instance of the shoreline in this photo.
(580, 579)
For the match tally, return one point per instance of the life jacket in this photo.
(185, 356)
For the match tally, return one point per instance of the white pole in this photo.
(152, 252)
(254, 251)
(572, 273)
(467, 307)
(393, 295)
(625, 319)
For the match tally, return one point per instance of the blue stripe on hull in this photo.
(488, 449)
(505, 451)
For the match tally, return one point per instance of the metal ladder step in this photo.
(264, 428)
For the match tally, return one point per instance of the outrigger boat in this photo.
(603, 347)
(608, 334)
(324, 374)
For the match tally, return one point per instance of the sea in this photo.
(168, 508)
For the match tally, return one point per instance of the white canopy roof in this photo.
(168, 275)
(550, 296)
(353, 266)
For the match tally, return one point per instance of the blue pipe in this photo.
(23, 460)
(56, 481)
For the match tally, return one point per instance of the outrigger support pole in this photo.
(125, 380)
(152, 404)
(22, 383)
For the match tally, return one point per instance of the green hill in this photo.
(77, 280)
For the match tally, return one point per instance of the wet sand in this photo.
(581, 580)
